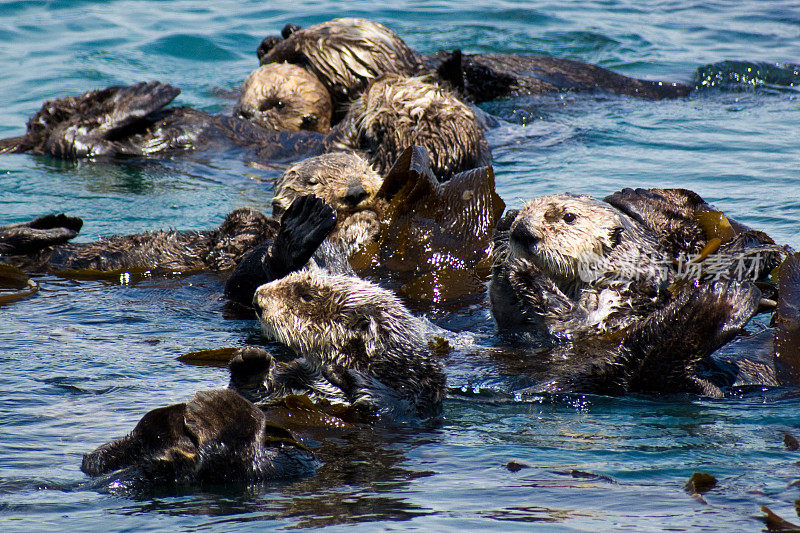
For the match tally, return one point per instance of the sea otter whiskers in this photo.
(358, 345)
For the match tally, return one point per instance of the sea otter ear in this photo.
(616, 236)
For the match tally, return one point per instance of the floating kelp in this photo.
(787, 321)
(700, 483)
(776, 523)
(215, 357)
(743, 74)
(436, 239)
(15, 284)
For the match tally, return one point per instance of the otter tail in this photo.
(670, 349)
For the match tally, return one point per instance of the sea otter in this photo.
(345, 181)
(344, 54)
(281, 96)
(431, 241)
(41, 245)
(484, 77)
(216, 437)
(396, 112)
(129, 121)
(358, 346)
(569, 265)
(612, 291)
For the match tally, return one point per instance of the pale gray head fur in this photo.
(576, 239)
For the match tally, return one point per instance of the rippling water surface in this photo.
(83, 360)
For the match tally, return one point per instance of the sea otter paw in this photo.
(41, 232)
(249, 369)
(303, 228)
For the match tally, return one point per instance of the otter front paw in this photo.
(249, 368)
(303, 228)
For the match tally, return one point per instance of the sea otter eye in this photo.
(569, 218)
(279, 104)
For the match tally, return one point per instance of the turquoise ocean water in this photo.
(83, 360)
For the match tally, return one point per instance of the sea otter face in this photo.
(557, 233)
(281, 96)
(396, 112)
(345, 181)
(340, 319)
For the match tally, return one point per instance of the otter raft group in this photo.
(384, 218)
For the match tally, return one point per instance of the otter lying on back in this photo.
(358, 346)
(126, 121)
(483, 77)
(216, 437)
(569, 264)
(41, 245)
(396, 112)
(573, 268)
(346, 53)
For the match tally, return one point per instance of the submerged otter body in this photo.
(163, 251)
(484, 77)
(358, 346)
(216, 437)
(131, 121)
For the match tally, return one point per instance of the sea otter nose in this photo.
(524, 237)
(355, 195)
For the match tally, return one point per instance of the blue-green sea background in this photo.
(83, 360)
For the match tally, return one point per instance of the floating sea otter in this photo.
(41, 245)
(358, 346)
(127, 121)
(346, 53)
(132, 121)
(216, 437)
(572, 268)
(433, 239)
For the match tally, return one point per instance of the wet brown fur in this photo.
(365, 347)
(216, 437)
(396, 112)
(346, 182)
(281, 96)
(163, 251)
